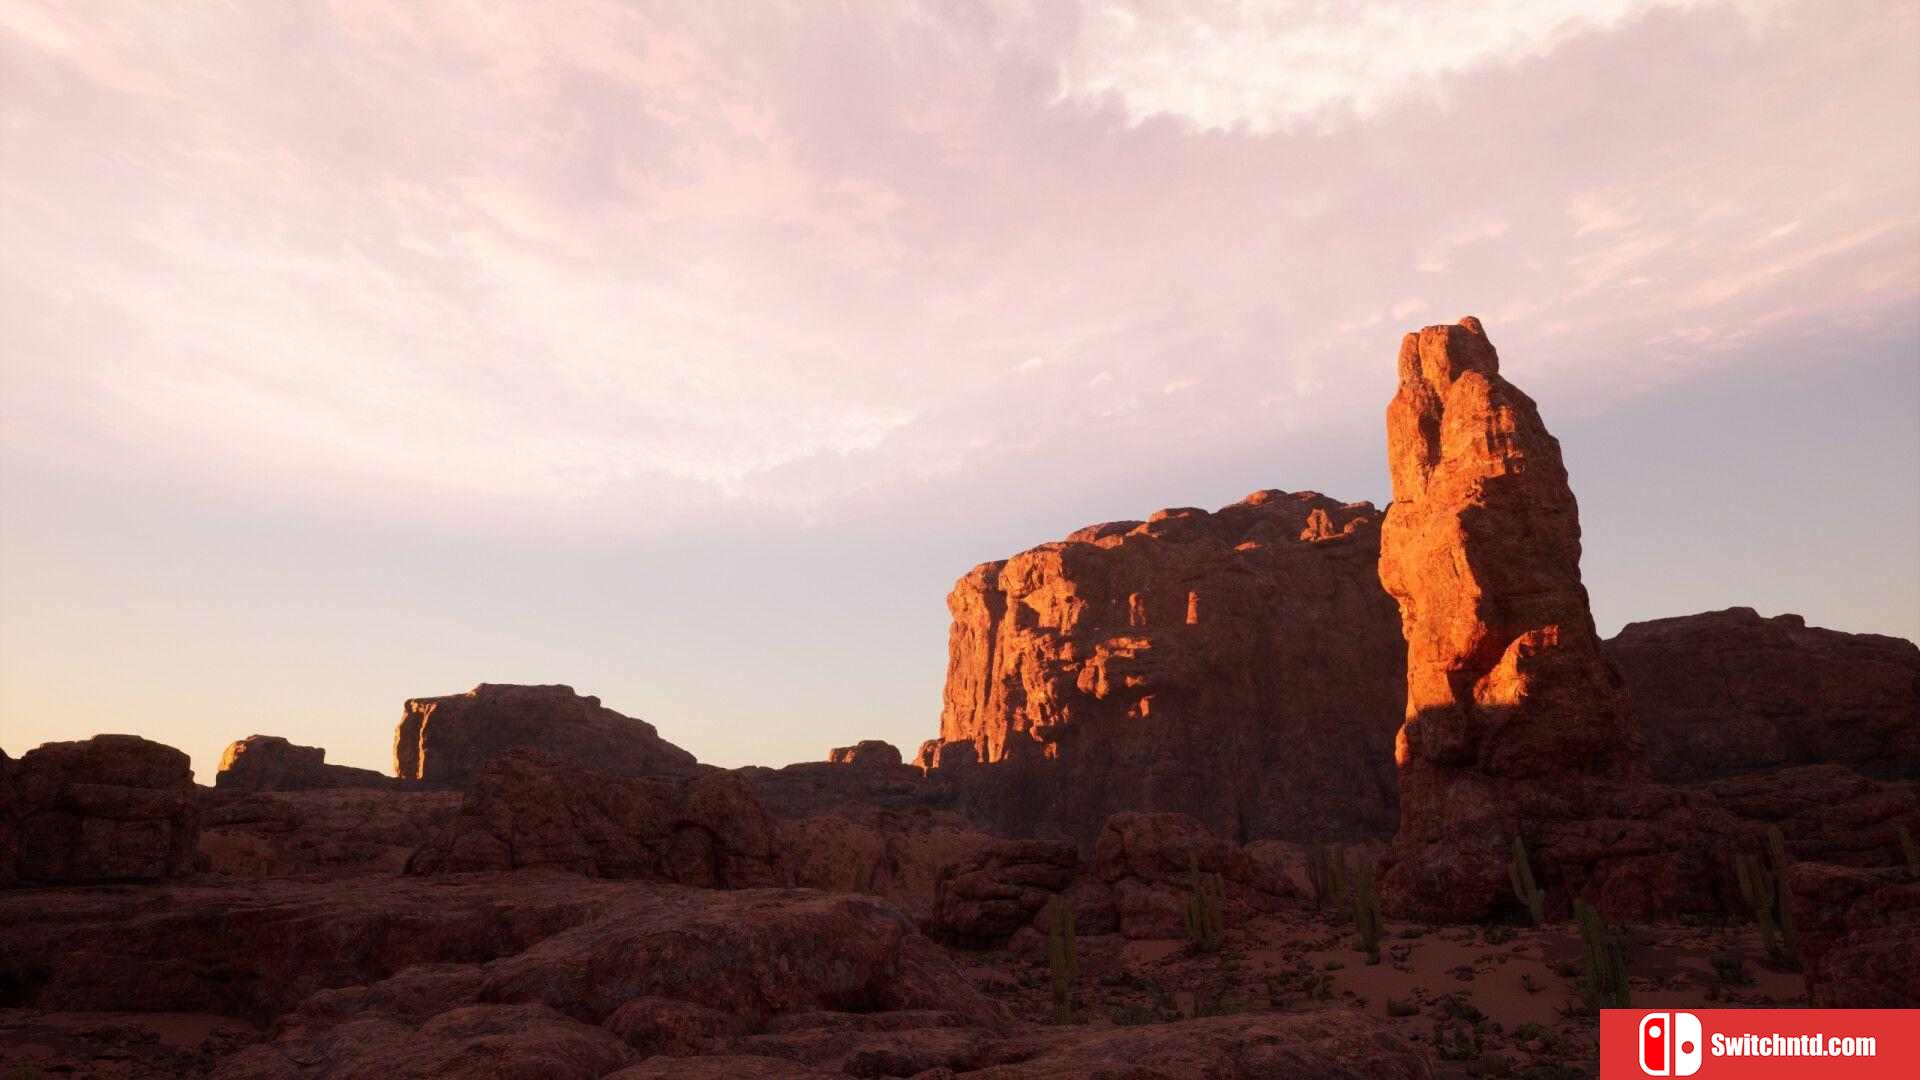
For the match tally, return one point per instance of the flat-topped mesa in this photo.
(1512, 709)
(1241, 666)
(444, 740)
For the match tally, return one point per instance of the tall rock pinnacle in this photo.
(1512, 710)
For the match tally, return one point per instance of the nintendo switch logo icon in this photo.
(1670, 1044)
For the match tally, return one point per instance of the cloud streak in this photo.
(590, 251)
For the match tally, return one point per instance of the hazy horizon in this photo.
(688, 358)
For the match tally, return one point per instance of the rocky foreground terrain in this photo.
(1294, 788)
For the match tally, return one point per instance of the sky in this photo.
(688, 353)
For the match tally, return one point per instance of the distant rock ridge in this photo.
(445, 740)
(271, 763)
(1723, 693)
(1243, 667)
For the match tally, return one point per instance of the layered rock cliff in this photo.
(1242, 666)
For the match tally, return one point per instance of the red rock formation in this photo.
(1514, 717)
(338, 832)
(528, 809)
(871, 753)
(1242, 667)
(1145, 864)
(1726, 692)
(1827, 813)
(271, 763)
(1859, 935)
(446, 739)
(981, 900)
(111, 808)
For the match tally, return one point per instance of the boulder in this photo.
(110, 808)
(1243, 667)
(982, 900)
(271, 763)
(445, 740)
(1728, 692)
(526, 808)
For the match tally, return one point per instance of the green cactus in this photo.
(1604, 984)
(1063, 958)
(1911, 850)
(1205, 926)
(1529, 894)
(1366, 912)
(1327, 870)
(1783, 893)
(1757, 889)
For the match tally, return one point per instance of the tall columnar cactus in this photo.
(1604, 985)
(1366, 912)
(1327, 870)
(1529, 894)
(1205, 925)
(1911, 850)
(1757, 889)
(1783, 891)
(1063, 958)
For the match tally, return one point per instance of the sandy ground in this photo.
(1486, 1000)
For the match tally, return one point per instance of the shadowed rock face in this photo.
(528, 809)
(1513, 713)
(1728, 692)
(1242, 666)
(271, 763)
(110, 808)
(444, 740)
(867, 753)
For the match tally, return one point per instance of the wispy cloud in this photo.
(588, 253)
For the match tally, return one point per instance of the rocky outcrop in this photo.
(892, 854)
(337, 832)
(982, 900)
(445, 740)
(110, 808)
(1859, 935)
(1516, 724)
(1145, 863)
(1728, 692)
(271, 763)
(1826, 813)
(529, 809)
(1243, 667)
(869, 753)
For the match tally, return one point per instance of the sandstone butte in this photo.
(1138, 714)
(1512, 712)
(1241, 666)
